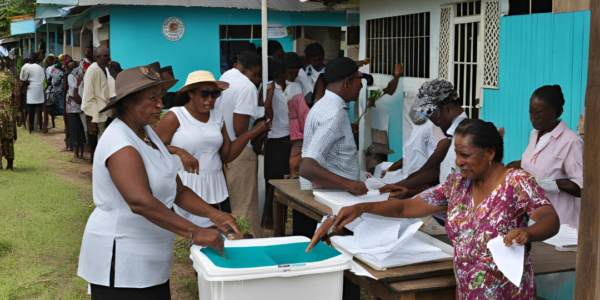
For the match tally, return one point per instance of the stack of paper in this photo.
(336, 199)
(565, 240)
(388, 242)
(389, 177)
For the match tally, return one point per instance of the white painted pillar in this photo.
(265, 44)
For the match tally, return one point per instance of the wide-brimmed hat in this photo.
(136, 79)
(196, 78)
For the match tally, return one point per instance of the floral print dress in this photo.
(470, 228)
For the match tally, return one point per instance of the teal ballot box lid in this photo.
(269, 257)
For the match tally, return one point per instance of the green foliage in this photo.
(244, 225)
(13, 8)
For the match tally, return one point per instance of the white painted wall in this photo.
(375, 9)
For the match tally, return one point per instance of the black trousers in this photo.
(35, 114)
(276, 165)
(157, 292)
(224, 206)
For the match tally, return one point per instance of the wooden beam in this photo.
(587, 278)
(563, 6)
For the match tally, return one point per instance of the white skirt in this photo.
(212, 188)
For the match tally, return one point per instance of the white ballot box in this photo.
(270, 269)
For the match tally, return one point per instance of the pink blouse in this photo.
(470, 228)
(561, 158)
(297, 112)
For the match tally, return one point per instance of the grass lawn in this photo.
(42, 218)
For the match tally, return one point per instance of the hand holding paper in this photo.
(517, 235)
(510, 260)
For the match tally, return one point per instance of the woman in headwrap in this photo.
(57, 94)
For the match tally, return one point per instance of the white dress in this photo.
(203, 141)
(143, 251)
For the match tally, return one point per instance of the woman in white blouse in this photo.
(196, 135)
(127, 245)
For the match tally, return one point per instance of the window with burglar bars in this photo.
(399, 39)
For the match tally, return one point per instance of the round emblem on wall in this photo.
(173, 29)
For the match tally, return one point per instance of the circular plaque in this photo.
(173, 29)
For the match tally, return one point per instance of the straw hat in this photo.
(195, 78)
(136, 79)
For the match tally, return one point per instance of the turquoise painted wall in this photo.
(22, 27)
(537, 50)
(136, 38)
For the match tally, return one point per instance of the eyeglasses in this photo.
(368, 77)
(206, 93)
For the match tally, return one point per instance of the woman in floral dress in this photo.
(483, 201)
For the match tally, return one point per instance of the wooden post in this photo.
(587, 278)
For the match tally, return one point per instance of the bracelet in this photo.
(334, 217)
(192, 235)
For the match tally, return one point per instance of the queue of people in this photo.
(190, 174)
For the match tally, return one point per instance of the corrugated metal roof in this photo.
(284, 5)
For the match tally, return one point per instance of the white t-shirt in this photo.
(314, 75)
(420, 146)
(143, 250)
(448, 165)
(304, 82)
(240, 98)
(35, 75)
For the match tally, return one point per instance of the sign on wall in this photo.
(276, 30)
(173, 29)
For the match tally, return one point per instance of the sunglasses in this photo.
(368, 77)
(206, 93)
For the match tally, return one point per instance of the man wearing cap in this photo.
(238, 104)
(438, 101)
(95, 96)
(315, 54)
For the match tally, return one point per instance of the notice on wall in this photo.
(276, 30)
(173, 29)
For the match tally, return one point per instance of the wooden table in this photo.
(421, 281)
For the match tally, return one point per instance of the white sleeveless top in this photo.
(203, 141)
(143, 250)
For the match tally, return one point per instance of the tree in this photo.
(13, 8)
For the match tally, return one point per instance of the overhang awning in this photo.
(22, 27)
(9, 39)
(283, 5)
(44, 11)
(58, 2)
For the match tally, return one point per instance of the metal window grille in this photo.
(400, 39)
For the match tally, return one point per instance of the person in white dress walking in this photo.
(196, 135)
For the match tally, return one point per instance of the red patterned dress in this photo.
(470, 228)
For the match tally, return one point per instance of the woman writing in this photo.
(485, 200)
(127, 245)
(554, 155)
(195, 133)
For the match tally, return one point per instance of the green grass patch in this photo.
(42, 218)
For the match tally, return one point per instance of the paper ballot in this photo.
(380, 168)
(509, 260)
(336, 199)
(393, 177)
(375, 233)
(566, 236)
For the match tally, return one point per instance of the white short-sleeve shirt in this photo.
(143, 251)
(35, 75)
(240, 98)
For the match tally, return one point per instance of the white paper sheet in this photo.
(509, 260)
(360, 271)
(380, 168)
(374, 233)
(566, 236)
(337, 199)
(413, 251)
(393, 177)
(408, 227)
